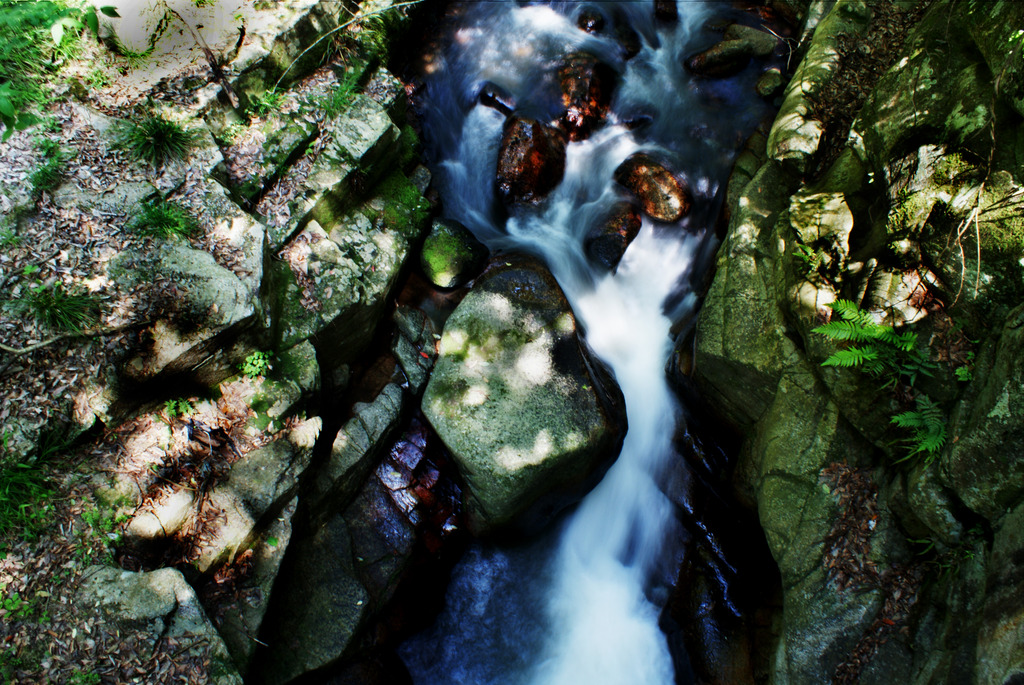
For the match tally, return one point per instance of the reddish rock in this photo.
(531, 161)
(608, 241)
(662, 196)
(590, 20)
(587, 86)
(666, 10)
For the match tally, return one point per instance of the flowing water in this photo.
(581, 604)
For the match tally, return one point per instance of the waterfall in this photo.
(582, 604)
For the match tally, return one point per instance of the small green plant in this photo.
(340, 98)
(880, 351)
(9, 238)
(132, 57)
(261, 105)
(24, 494)
(811, 258)
(85, 678)
(883, 353)
(17, 607)
(928, 423)
(97, 78)
(177, 407)
(164, 220)
(155, 140)
(60, 309)
(256, 364)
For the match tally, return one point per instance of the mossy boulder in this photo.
(451, 255)
(516, 396)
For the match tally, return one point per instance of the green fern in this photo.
(883, 352)
(928, 422)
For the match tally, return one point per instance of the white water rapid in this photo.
(582, 604)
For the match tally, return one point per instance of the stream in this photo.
(581, 603)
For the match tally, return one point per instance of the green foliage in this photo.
(340, 99)
(928, 423)
(24, 495)
(17, 607)
(33, 33)
(256, 364)
(133, 58)
(85, 678)
(60, 309)
(883, 352)
(265, 103)
(155, 140)
(49, 175)
(812, 259)
(177, 407)
(164, 220)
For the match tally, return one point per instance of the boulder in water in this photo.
(498, 98)
(607, 242)
(517, 398)
(730, 56)
(531, 161)
(451, 255)
(587, 86)
(590, 20)
(662, 196)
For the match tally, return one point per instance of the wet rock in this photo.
(156, 606)
(531, 161)
(587, 85)
(516, 397)
(355, 450)
(1002, 625)
(662, 196)
(451, 255)
(731, 55)
(498, 98)
(318, 610)
(590, 20)
(606, 243)
(666, 10)
(628, 39)
(414, 346)
(770, 83)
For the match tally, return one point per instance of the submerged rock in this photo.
(516, 397)
(607, 243)
(451, 255)
(590, 20)
(662, 196)
(587, 85)
(731, 55)
(531, 161)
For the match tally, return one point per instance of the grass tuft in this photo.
(155, 140)
(165, 220)
(61, 310)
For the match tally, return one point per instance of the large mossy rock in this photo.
(905, 210)
(516, 396)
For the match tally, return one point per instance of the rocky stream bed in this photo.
(279, 434)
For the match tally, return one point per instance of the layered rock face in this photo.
(903, 219)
